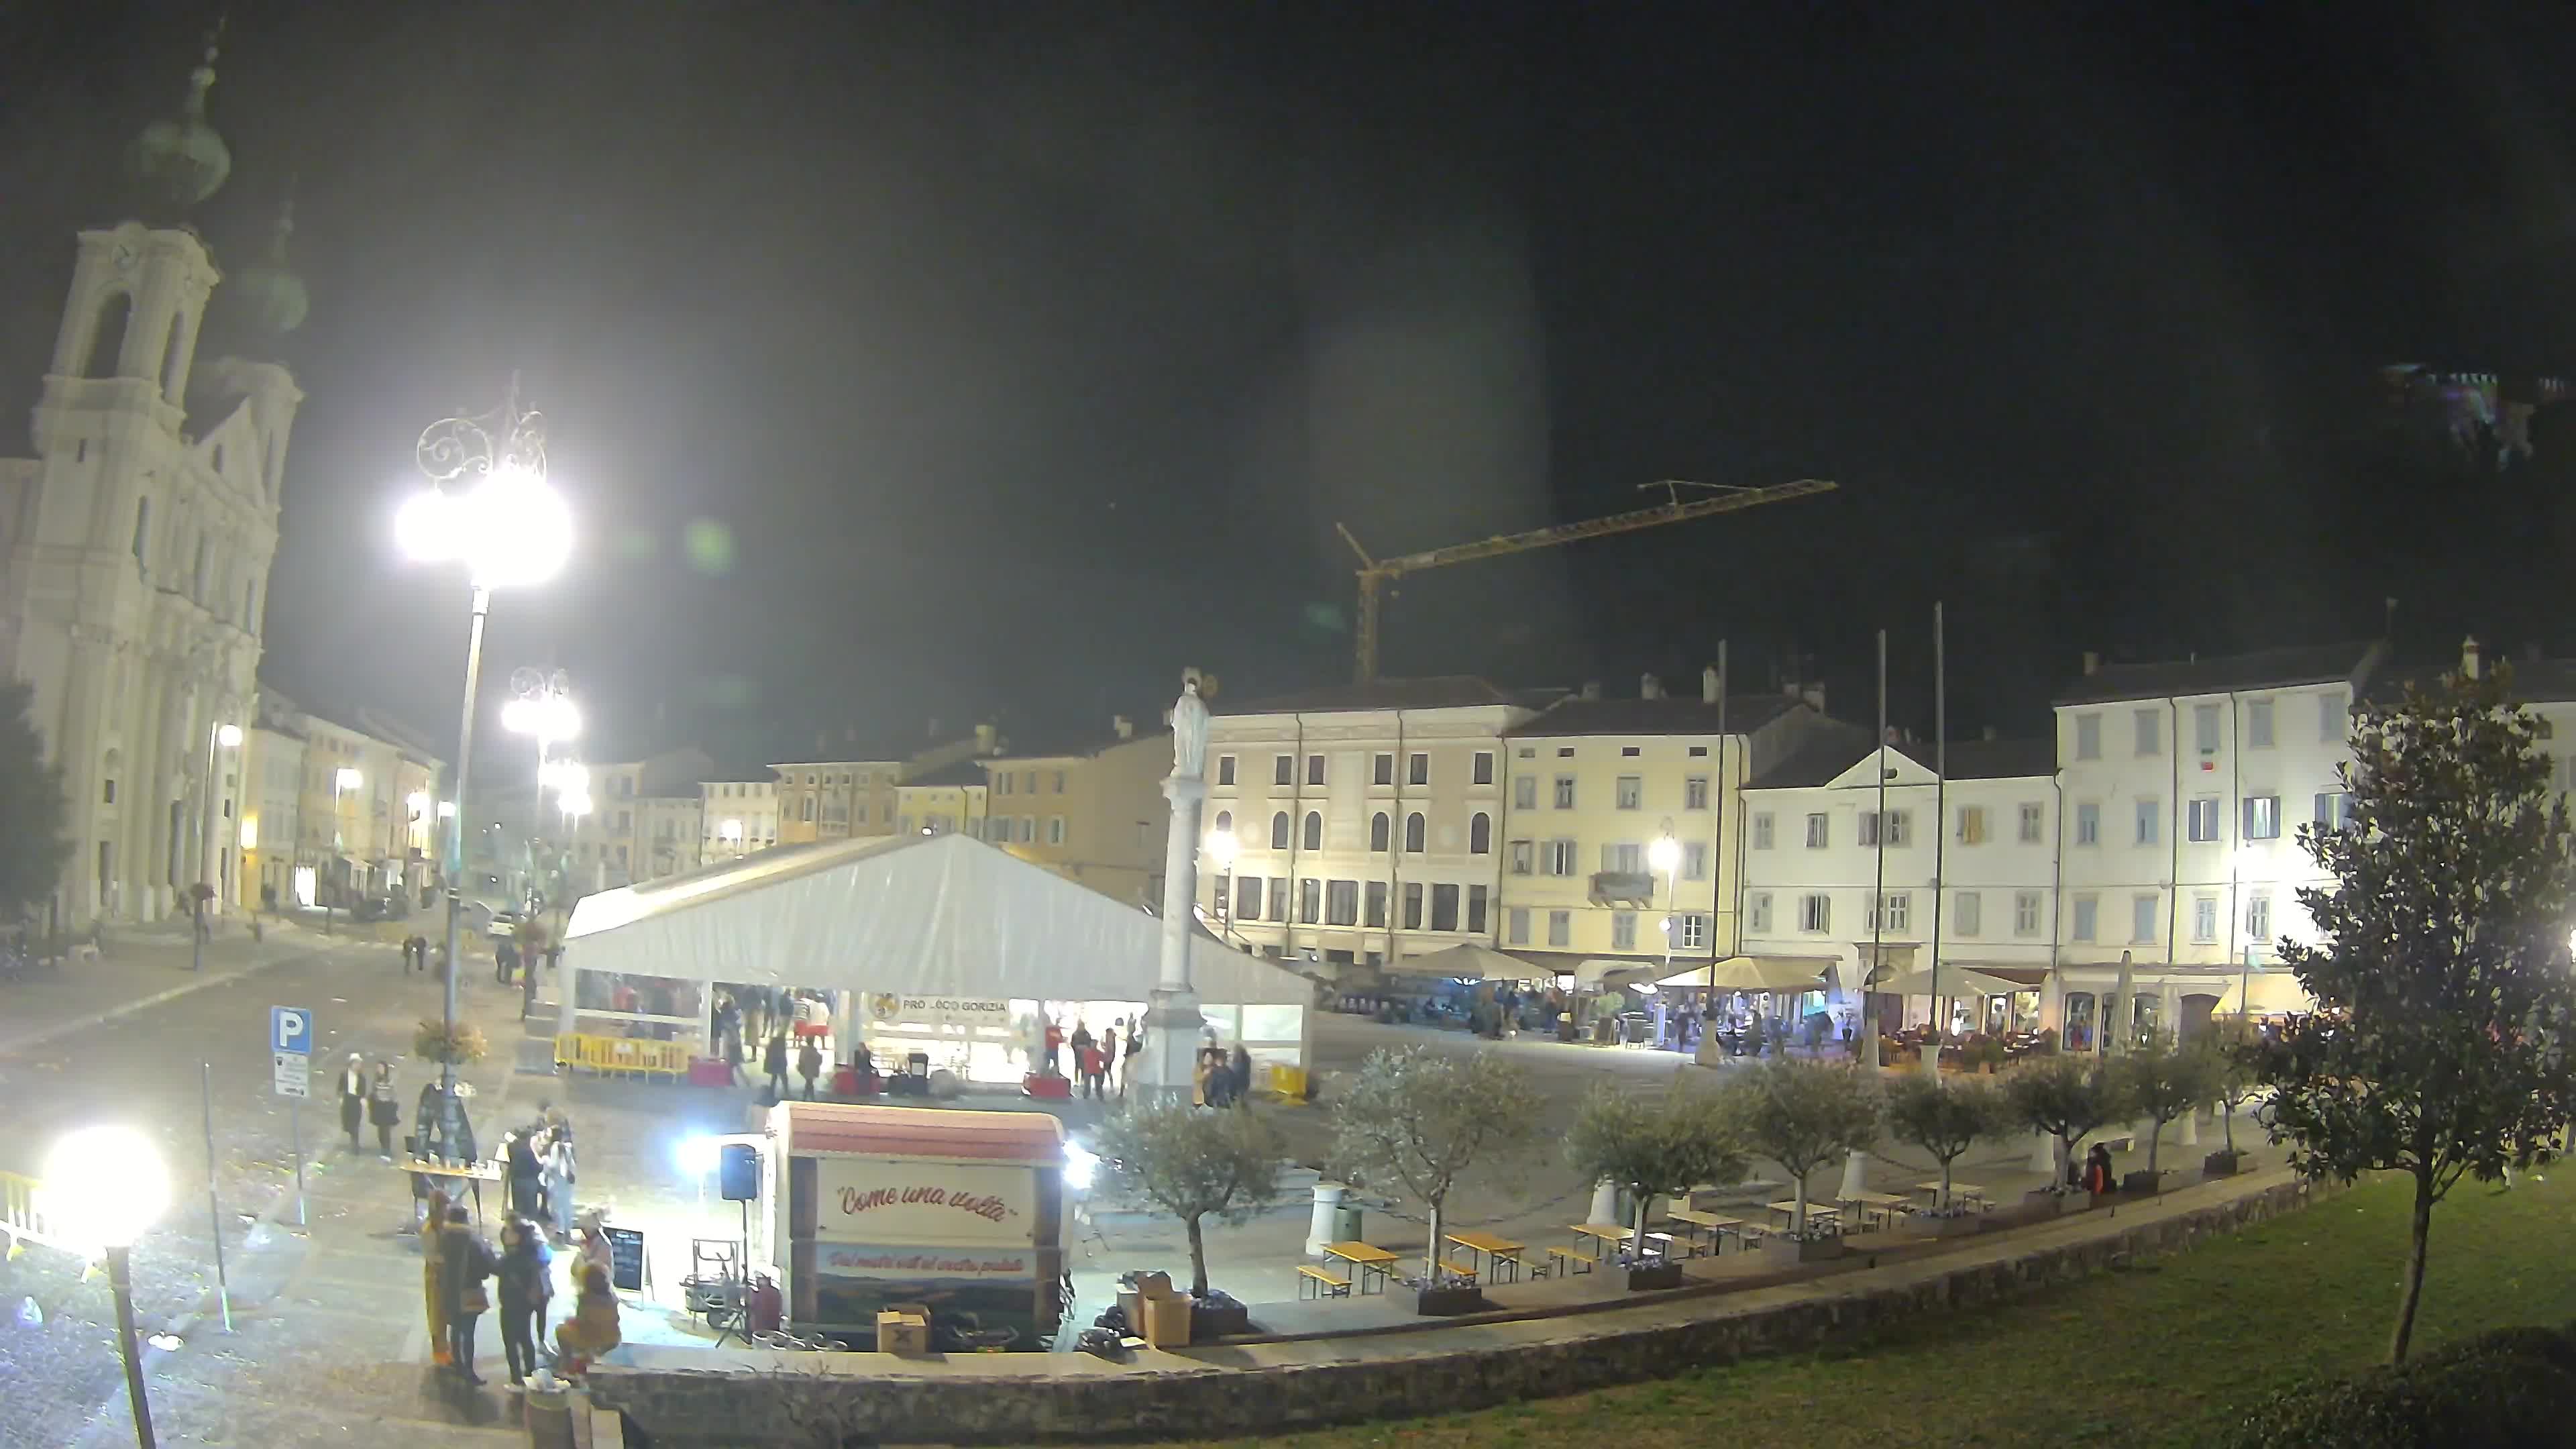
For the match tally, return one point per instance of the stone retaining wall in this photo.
(1222, 1391)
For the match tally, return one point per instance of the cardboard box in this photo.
(1167, 1322)
(899, 1332)
(1154, 1285)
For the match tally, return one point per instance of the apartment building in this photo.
(952, 798)
(1593, 784)
(671, 834)
(736, 817)
(618, 842)
(2184, 785)
(848, 798)
(1091, 810)
(1366, 820)
(1841, 877)
(365, 818)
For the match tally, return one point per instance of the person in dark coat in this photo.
(505, 956)
(353, 1098)
(524, 1165)
(527, 1281)
(465, 1261)
(809, 1065)
(773, 1060)
(1242, 1077)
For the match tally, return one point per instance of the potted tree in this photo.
(2231, 1045)
(2160, 1081)
(2068, 1097)
(1652, 1150)
(1945, 1119)
(1803, 1115)
(1195, 1165)
(1416, 1120)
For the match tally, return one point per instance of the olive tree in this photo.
(1416, 1120)
(33, 847)
(1653, 1149)
(2068, 1097)
(1194, 1165)
(2232, 1047)
(1945, 1119)
(1803, 1114)
(2161, 1080)
(2440, 961)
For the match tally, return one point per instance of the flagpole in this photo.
(1856, 1167)
(1940, 815)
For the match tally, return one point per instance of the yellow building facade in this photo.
(1093, 813)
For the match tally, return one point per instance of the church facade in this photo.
(134, 559)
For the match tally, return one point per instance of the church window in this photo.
(143, 530)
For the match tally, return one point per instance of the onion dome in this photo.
(179, 161)
(267, 294)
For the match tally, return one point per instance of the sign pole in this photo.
(290, 1046)
(295, 1126)
(214, 1203)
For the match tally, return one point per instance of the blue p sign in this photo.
(290, 1029)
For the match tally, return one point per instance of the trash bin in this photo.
(549, 1415)
(1346, 1222)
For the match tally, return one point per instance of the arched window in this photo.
(1279, 831)
(1225, 822)
(107, 339)
(1413, 832)
(1314, 830)
(1378, 831)
(1480, 834)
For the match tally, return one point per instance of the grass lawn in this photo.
(2159, 1355)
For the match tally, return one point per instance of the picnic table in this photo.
(1714, 1226)
(1483, 1246)
(424, 1170)
(1816, 1214)
(1968, 1191)
(1885, 1205)
(1365, 1260)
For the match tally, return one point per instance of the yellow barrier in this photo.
(622, 1054)
(19, 1217)
(1288, 1082)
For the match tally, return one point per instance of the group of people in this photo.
(368, 1097)
(1224, 1080)
(456, 1262)
(1096, 1059)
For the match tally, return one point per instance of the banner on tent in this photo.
(889, 1009)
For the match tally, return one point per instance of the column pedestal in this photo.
(1605, 1205)
(1173, 1033)
(1319, 1229)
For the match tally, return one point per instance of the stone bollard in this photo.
(2190, 1128)
(1605, 1205)
(1319, 1228)
(549, 1408)
(2043, 1154)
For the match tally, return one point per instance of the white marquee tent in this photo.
(938, 937)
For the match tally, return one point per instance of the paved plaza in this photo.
(328, 1339)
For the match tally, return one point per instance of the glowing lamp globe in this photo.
(106, 1185)
(510, 529)
(1222, 848)
(229, 736)
(1664, 854)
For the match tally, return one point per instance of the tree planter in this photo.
(1784, 1250)
(2057, 1202)
(1447, 1300)
(1929, 1225)
(2141, 1184)
(2222, 1163)
(1646, 1277)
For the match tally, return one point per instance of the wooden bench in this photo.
(1461, 1267)
(1573, 1256)
(1314, 1282)
(1535, 1268)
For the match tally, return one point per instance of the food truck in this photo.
(864, 1207)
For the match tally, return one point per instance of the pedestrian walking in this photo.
(1239, 1078)
(1109, 1050)
(809, 1065)
(1054, 1048)
(353, 1098)
(1135, 1044)
(773, 1060)
(465, 1261)
(527, 1282)
(527, 989)
(383, 1109)
(504, 956)
(733, 1052)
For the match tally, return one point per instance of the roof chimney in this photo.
(1711, 685)
(2092, 661)
(2469, 657)
(1125, 727)
(1592, 689)
(1649, 687)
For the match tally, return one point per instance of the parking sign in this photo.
(290, 1029)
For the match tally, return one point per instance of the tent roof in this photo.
(929, 914)
(1464, 959)
(1031, 1137)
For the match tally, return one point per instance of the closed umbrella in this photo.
(2115, 1031)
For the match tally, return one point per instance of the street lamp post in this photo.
(1222, 848)
(540, 706)
(222, 736)
(488, 506)
(107, 1185)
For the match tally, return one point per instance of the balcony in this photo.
(1633, 887)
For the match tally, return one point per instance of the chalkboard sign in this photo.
(625, 1259)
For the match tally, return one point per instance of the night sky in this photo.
(945, 360)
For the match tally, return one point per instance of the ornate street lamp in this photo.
(106, 1185)
(488, 506)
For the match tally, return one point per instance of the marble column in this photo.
(1172, 1021)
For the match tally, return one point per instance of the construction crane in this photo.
(1374, 573)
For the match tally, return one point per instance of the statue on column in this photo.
(1189, 732)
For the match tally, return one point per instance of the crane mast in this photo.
(1374, 573)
